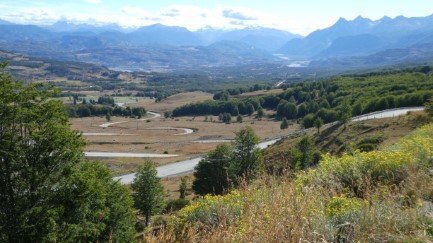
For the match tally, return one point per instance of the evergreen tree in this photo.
(239, 119)
(284, 124)
(149, 193)
(182, 188)
(247, 157)
(211, 173)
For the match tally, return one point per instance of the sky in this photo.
(299, 17)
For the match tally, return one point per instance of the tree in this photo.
(235, 111)
(357, 109)
(227, 118)
(182, 187)
(37, 148)
(43, 184)
(302, 110)
(260, 113)
(108, 117)
(290, 110)
(284, 124)
(91, 207)
(318, 123)
(250, 109)
(344, 112)
(149, 193)
(239, 119)
(308, 120)
(429, 107)
(223, 95)
(303, 155)
(247, 157)
(211, 173)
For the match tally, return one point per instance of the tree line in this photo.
(86, 110)
(329, 99)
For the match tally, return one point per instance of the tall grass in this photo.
(384, 196)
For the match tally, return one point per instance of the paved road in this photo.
(187, 166)
(127, 155)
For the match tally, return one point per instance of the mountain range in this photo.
(361, 36)
(163, 48)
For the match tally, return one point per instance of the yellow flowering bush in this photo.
(212, 211)
(342, 209)
(360, 172)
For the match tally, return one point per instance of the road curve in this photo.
(187, 166)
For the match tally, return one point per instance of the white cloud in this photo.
(33, 16)
(189, 16)
(93, 1)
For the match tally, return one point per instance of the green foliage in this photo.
(303, 155)
(105, 100)
(342, 209)
(149, 192)
(239, 119)
(86, 110)
(176, 204)
(212, 211)
(223, 95)
(226, 118)
(429, 107)
(182, 187)
(211, 173)
(250, 109)
(260, 113)
(318, 123)
(370, 144)
(345, 112)
(365, 197)
(46, 194)
(247, 158)
(90, 206)
(284, 124)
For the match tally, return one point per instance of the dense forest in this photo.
(329, 99)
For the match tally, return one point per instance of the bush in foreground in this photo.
(366, 197)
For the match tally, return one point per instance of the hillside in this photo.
(365, 136)
(374, 196)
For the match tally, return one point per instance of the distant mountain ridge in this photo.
(145, 48)
(361, 36)
(359, 42)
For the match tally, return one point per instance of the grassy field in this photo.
(159, 135)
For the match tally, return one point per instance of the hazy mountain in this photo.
(348, 37)
(22, 33)
(159, 47)
(417, 54)
(4, 22)
(161, 34)
(65, 26)
(263, 38)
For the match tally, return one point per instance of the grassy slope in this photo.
(336, 140)
(377, 196)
